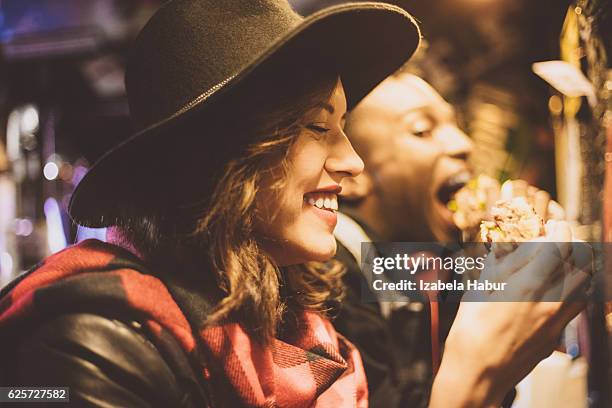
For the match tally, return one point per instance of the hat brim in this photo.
(366, 42)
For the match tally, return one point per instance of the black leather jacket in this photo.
(105, 362)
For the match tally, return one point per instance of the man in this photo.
(416, 158)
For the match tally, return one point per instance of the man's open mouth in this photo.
(447, 191)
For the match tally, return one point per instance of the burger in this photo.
(513, 221)
(472, 204)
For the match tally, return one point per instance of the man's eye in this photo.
(422, 133)
(422, 128)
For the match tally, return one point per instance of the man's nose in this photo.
(455, 143)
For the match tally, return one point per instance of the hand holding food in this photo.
(493, 338)
(474, 204)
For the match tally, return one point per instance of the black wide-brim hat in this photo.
(195, 58)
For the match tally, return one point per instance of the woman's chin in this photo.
(322, 250)
(298, 253)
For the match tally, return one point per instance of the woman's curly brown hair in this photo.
(223, 244)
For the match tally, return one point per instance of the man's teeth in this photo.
(461, 178)
(327, 201)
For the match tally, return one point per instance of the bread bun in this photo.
(513, 220)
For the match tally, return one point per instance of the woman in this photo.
(213, 288)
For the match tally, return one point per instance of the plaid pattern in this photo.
(318, 367)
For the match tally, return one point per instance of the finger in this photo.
(460, 220)
(508, 262)
(555, 211)
(507, 191)
(490, 272)
(553, 290)
(540, 203)
(492, 194)
(532, 191)
(576, 286)
(519, 188)
(568, 310)
(501, 268)
(584, 256)
(563, 282)
(558, 231)
(558, 281)
(549, 227)
(538, 276)
(501, 249)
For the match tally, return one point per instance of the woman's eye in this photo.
(318, 129)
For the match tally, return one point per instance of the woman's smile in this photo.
(324, 205)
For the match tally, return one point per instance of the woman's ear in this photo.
(356, 188)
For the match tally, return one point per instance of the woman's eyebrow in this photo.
(327, 107)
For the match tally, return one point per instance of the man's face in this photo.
(415, 157)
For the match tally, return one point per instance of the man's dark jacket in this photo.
(396, 351)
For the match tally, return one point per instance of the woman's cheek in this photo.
(315, 243)
(309, 153)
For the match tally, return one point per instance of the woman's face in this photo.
(296, 224)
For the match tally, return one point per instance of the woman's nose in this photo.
(343, 159)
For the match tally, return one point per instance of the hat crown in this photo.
(190, 46)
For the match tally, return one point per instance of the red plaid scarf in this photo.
(317, 368)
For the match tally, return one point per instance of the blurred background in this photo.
(63, 103)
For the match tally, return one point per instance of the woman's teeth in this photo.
(326, 201)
